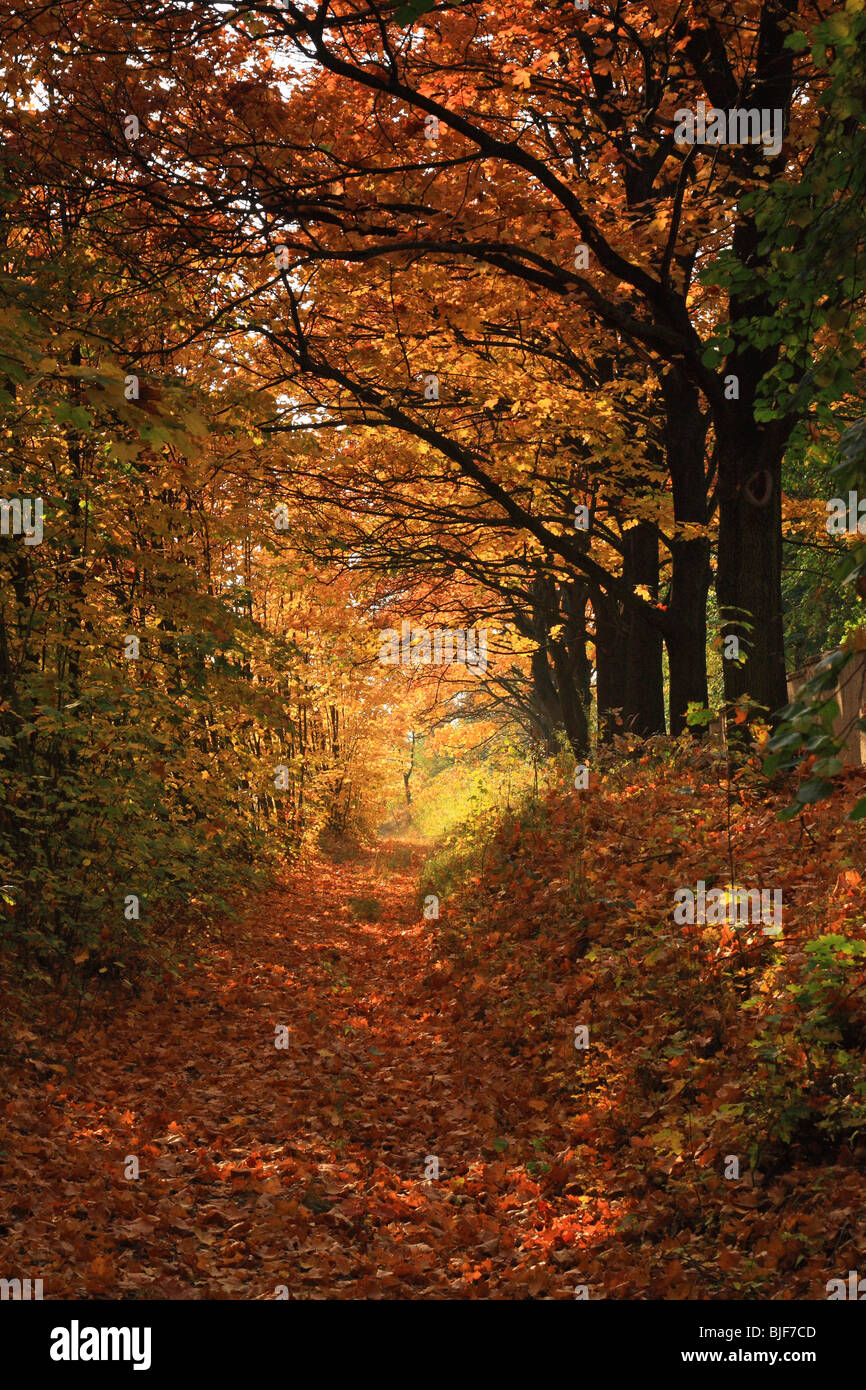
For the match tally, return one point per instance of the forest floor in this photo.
(300, 1166)
(308, 1170)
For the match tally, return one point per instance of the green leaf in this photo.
(816, 789)
(407, 14)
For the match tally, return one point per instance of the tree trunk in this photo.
(684, 437)
(574, 702)
(572, 670)
(749, 574)
(644, 699)
(546, 708)
(609, 666)
(407, 774)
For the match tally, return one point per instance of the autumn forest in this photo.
(432, 654)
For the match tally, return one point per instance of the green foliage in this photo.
(451, 791)
(817, 611)
(414, 9)
(804, 736)
(461, 853)
(147, 776)
(832, 960)
(699, 716)
(820, 1025)
(808, 295)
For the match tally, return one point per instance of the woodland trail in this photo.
(297, 1169)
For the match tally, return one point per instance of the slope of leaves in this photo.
(705, 1042)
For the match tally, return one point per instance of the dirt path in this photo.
(299, 1168)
